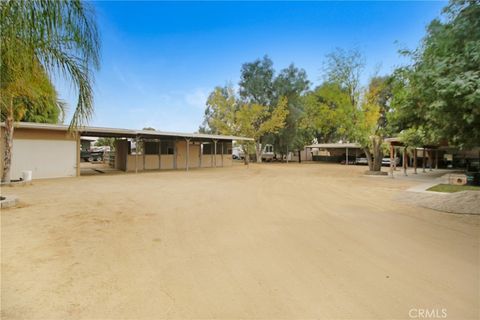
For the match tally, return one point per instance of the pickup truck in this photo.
(91, 156)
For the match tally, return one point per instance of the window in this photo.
(227, 148)
(167, 146)
(151, 147)
(207, 148)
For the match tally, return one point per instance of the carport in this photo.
(51, 150)
(348, 149)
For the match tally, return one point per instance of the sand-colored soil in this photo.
(271, 241)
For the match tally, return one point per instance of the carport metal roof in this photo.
(125, 133)
(333, 145)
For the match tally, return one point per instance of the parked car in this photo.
(267, 154)
(349, 162)
(386, 161)
(362, 161)
(91, 156)
(237, 153)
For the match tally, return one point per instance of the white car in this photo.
(361, 161)
(237, 153)
(386, 161)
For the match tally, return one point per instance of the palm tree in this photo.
(45, 37)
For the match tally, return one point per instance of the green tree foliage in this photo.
(344, 67)
(260, 84)
(58, 37)
(291, 83)
(439, 93)
(327, 113)
(219, 115)
(371, 125)
(256, 82)
(340, 109)
(228, 114)
(35, 99)
(103, 142)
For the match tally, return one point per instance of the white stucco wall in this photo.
(45, 158)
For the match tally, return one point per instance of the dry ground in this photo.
(271, 241)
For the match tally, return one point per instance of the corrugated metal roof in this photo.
(101, 131)
(334, 145)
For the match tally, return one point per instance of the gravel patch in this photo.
(467, 202)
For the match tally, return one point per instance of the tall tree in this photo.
(259, 84)
(441, 88)
(371, 124)
(344, 67)
(256, 82)
(228, 114)
(59, 37)
(328, 113)
(291, 83)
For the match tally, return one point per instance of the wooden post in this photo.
(136, 154)
(211, 156)
(346, 156)
(395, 159)
(391, 159)
(423, 160)
(143, 155)
(175, 153)
(200, 155)
(215, 152)
(405, 163)
(436, 158)
(159, 154)
(188, 151)
(415, 160)
(78, 154)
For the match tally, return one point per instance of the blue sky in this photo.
(160, 60)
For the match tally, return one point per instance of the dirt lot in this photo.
(271, 241)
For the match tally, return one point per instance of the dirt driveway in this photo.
(271, 241)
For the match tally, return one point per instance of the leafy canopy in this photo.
(59, 37)
(440, 91)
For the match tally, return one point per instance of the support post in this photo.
(78, 155)
(200, 155)
(136, 154)
(405, 161)
(211, 156)
(436, 158)
(143, 156)
(159, 154)
(175, 153)
(415, 160)
(221, 152)
(287, 154)
(346, 157)
(391, 159)
(188, 154)
(395, 159)
(424, 162)
(215, 152)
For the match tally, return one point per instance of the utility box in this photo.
(457, 179)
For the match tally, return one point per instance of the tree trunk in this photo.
(374, 156)
(377, 154)
(299, 156)
(246, 154)
(258, 151)
(7, 155)
(369, 158)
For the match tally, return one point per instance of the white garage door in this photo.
(45, 158)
